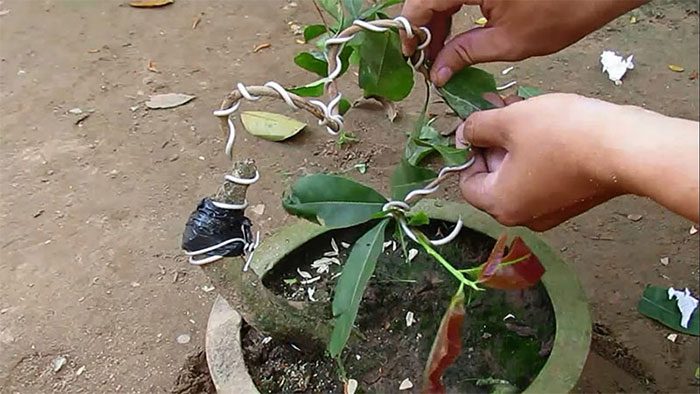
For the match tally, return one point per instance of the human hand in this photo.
(541, 161)
(516, 29)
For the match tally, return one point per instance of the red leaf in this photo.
(519, 269)
(446, 347)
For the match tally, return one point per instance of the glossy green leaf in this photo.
(464, 91)
(270, 126)
(656, 305)
(314, 89)
(313, 61)
(352, 283)
(383, 69)
(415, 151)
(452, 156)
(528, 91)
(344, 106)
(313, 31)
(332, 201)
(419, 218)
(407, 178)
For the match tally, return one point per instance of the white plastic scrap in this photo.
(686, 304)
(406, 384)
(351, 386)
(412, 253)
(410, 318)
(310, 291)
(304, 274)
(615, 65)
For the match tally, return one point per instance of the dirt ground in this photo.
(92, 211)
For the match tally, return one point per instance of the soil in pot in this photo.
(507, 335)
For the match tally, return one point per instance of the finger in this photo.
(486, 129)
(477, 189)
(478, 45)
(512, 99)
(495, 99)
(439, 27)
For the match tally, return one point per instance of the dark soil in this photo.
(389, 351)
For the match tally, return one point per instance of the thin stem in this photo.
(320, 13)
(423, 241)
(474, 272)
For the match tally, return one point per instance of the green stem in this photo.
(423, 241)
(474, 272)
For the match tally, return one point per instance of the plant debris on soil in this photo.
(390, 352)
(194, 376)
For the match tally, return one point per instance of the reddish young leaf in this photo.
(519, 269)
(446, 347)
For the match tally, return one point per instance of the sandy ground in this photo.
(92, 212)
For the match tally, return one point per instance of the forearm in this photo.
(657, 156)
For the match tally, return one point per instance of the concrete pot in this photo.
(573, 322)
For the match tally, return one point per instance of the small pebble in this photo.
(664, 260)
(183, 339)
(58, 363)
(635, 217)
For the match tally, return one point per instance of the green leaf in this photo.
(332, 7)
(313, 61)
(352, 283)
(656, 305)
(419, 218)
(407, 178)
(314, 89)
(372, 12)
(313, 31)
(464, 92)
(354, 8)
(528, 91)
(415, 151)
(452, 156)
(333, 201)
(344, 106)
(383, 69)
(269, 126)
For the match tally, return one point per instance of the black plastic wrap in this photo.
(209, 225)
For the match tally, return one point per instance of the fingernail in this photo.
(459, 137)
(443, 75)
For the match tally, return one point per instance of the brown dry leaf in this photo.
(693, 75)
(262, 46)
(149, 3)
(195, 22)
(676, 68)
(152, 67)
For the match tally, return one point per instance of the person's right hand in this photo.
(516, 29)
(546, 159)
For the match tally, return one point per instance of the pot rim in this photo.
(572, 316)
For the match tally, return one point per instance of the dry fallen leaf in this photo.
(261, 47)
(195, 22)
(693, 75)
(676, 68)
(149, 3)
(168, 100)
(152, 67)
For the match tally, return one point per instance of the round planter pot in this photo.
(573, 322)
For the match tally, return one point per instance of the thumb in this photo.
(478, 45)
(485, 129)
(477, 189)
